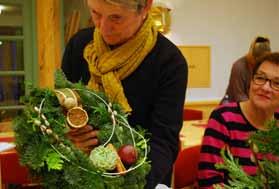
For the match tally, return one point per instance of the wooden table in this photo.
(191, 133)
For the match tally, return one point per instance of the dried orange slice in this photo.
(77, 117)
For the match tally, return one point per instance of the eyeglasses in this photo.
(260, 79)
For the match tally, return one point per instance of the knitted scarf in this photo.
(108, 67)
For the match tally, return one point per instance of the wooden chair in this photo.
(185, 169)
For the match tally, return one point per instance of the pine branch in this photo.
(238, 178)
(266, 142)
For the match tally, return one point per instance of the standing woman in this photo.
(230, 125)
(136, 66)
(241, 72)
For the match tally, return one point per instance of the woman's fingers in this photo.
(87, 144)
(84, 138)
(79, 131)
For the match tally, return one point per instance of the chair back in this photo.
(191, 114)
(186, 167)
(11, 171)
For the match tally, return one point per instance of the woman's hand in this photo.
(84, 138)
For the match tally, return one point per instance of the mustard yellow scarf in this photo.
(108, 67)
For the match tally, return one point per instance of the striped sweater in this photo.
(227, 126)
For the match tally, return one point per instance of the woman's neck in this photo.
(257, 117)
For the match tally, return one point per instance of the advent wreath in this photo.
(119, 162)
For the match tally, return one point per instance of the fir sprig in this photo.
(268, 141)
(238, 178)
(267, 177)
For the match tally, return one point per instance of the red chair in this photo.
(190, 114)
(11, 171)
(186, 167)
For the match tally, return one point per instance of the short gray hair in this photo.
(272, 57)
(133, 4)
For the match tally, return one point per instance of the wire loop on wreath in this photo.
(46, 130)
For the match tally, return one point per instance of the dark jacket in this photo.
(156, 93)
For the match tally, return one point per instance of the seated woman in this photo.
(231, 124)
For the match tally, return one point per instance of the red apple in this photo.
(128, 154)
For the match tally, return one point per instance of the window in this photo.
(17, 61)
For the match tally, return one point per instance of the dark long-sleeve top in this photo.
(239, 82)
(156, 93)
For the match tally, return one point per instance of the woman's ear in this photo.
(147, 7)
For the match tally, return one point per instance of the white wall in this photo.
(228, 27)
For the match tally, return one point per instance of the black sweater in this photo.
(156, 93)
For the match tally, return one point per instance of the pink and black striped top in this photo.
(227, 126)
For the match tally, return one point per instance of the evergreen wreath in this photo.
(53, 160)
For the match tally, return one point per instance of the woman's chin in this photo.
(111, 40)
(263, 104)
(114, 40)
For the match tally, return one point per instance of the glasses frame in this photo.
(261, 79)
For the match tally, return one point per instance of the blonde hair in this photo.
(132, 4)
(259, 47)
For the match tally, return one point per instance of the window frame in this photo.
(30, 71)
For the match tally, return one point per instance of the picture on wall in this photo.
(198, 58)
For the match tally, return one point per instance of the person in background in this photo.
(231, 124)
(241, 71)
(125, 57)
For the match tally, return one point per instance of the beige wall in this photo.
(228, 27)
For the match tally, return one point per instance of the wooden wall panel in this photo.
(49, 40)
